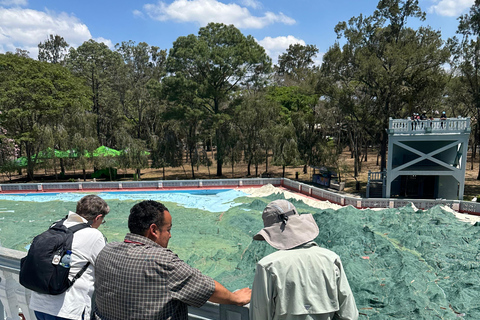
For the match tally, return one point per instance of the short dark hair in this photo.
(144, 214)
(89, 207)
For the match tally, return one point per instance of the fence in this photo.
(364, 203)
(449, 125)
(160, 184)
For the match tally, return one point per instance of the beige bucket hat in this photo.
(284, 228)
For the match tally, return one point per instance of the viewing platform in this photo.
(449, 125)
(426, 158)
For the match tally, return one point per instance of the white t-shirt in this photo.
(86, 245)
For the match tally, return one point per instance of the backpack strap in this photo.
(79, 226)
(79, 274)
(74, 229)
(58, 223)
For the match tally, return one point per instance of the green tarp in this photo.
(49, 153)
(106, 152)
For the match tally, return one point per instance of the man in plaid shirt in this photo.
(141, 279)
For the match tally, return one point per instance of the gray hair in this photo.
(91, 206)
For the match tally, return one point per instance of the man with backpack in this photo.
(75, 302)
(140, 278)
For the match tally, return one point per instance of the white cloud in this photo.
(205, 11)
(26, 28)
(279, 45)
(138, 13)
(251, 3)
(20, 3)
(107, 42)
(450, 8)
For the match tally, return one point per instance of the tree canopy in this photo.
(215, 93)
(35, 97)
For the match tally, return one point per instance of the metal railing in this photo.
(366, 203)
(14, 298)
(449, 125)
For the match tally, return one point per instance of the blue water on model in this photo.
(213, 200)
(53, 205)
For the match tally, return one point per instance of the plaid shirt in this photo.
(139, 279)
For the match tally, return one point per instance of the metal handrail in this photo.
(449, 125)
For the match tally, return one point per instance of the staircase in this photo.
(376, 184)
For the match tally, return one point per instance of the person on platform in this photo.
(443, 118)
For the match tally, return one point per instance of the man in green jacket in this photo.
(301, 281)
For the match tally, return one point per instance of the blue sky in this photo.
(275, 24)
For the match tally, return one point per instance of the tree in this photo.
(142, 64)
(53, 49)
(347, 109)
(83, 145)
(8, 152)
(233, 146)
(297, 91)
(219, 61)
(100, 68)
(33, 95)
(166, 148)
(134, 152)
(22, 53)
(297, 64)
(184, 109)
(285, 151)
(298, 108)
(255, 116)
(466, 60)
(394, 65)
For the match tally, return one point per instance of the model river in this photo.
(401, 263)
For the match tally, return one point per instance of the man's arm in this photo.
(223, 296)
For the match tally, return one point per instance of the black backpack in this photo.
(40, 270)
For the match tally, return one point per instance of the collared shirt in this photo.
(304, 283)
(74, 302)
(139, 279)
